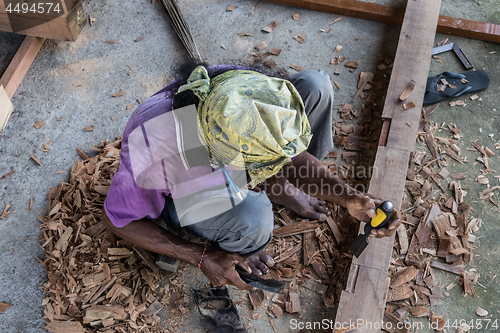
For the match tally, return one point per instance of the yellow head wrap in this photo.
(250, 120)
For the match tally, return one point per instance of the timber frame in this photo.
(489, 32)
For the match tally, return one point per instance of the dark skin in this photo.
(304, 194)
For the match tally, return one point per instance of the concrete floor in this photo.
(74, 81)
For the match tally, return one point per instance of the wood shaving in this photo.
(296, 17)
(270, 27)
(36, 159)
(88, 128)
(261, 46)
(336, 20)
(230, 8)
(297, 67)
(110, 41)
(300, 38)
(39, 124)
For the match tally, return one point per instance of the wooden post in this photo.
(380, 13)
(5, 108)
(61, 27)
(366, 297)
(14, 74)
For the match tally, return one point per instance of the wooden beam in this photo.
(18, 67)
(366, 296)
(66, 26)
(380, 13)
(5, 108)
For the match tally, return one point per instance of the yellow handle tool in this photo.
(384, 213)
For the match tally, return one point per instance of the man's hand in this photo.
(362, 206)
(219, 267)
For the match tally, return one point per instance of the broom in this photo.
(181, 28)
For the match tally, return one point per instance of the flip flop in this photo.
(474, 81)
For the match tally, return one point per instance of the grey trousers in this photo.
(248, 227)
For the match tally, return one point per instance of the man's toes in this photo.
(266, 259)
(261, 268)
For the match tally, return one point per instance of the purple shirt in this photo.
(150, 162)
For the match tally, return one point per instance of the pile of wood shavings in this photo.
(437, 231)
(97, 283)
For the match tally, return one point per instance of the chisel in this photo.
(384, 213)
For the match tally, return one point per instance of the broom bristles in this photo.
(181, 28)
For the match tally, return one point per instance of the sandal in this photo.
(458, 84)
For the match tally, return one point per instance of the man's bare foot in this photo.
(297, 201)
(260, 263)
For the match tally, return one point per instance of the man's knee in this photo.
(317, 82)
(261, 220)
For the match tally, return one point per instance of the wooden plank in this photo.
(388, 181)
(18, 67)
(5, 108)
(372, 284)
(54, 26)
(380, 13)
(391, 163)
(412, 62)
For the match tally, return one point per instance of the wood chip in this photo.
(474, 97)
(336, 84)
(257, 297)
(4, 307)
(36, 159)
(242, 34)
(118, 94)
(270, 27)
(438, 322)
(88, 128)
(294, 299)
(296, 17)
(270, 63)
(447, 268)
(129, 106)
(409, 105)
(297, 67)
(138, 39)
(336, 20)
(481, 312)
(339, 237)
(352, 64)
(39, 124)
(5, 212)
(338, 48)
(261, 46)
(275, 310)
(110, 41)
(420, 311)
(275, 51)
(300, 38)
(403, 276)
(409, 88)
(65, 327)
(295, 229)
(230, 8)
(7, 175)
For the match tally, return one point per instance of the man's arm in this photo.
(308, 174)
(218, 265)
